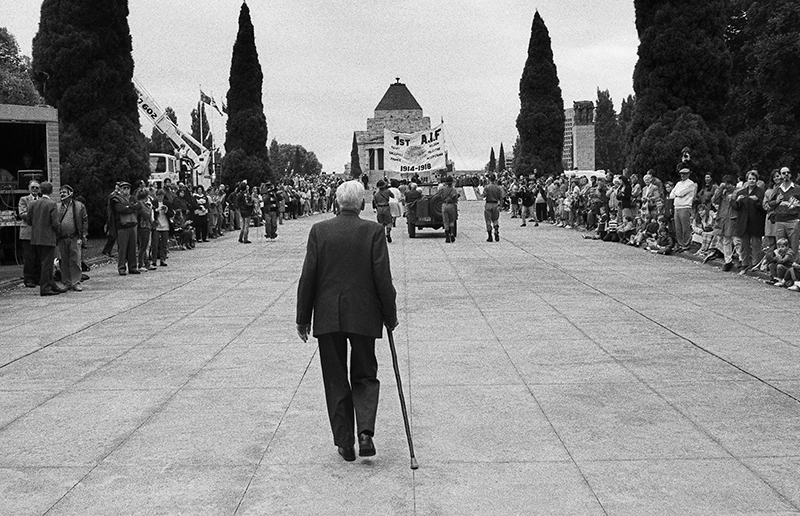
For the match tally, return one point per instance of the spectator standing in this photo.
(271, 199)
(726, 226)
(111, 230)
(42, 216)
(769, 223)
(245, 205)
(200, 214)
(144, 230)
(683, 194)
(162, 225)
(749, 205)
(785, 204)
(73, 231)
(125, 222)
(31, 259)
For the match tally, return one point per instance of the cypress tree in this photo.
(246, 137)
(355, 163)
(84, 47)
(492, 162)
(763, 114)
(501, 160)
(541, 117)
(681, 81)
(16, 86)
(609, 144)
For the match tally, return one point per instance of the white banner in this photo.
(423, 151)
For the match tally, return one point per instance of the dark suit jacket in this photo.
(43, 219)
(346, 280)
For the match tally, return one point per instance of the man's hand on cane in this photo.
(303, 330)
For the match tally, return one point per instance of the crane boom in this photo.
(177, 136)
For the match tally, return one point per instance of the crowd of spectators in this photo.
(751, 223)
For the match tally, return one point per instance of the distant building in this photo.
(399, 111)
(579, 138)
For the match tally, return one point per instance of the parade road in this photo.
(544, 374)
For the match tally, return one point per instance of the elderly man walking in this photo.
(347, 285)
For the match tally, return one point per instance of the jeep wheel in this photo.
(412, 230)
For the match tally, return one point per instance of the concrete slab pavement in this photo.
(545, 374)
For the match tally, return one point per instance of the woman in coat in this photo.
(749, 205)
(726, 218)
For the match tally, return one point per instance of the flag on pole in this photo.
(205, 98)
(215, 106)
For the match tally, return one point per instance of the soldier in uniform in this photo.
(380, 201)
(449, 209)
(493, 194)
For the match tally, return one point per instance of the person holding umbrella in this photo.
(346, 284)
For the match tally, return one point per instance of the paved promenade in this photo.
(545, 374)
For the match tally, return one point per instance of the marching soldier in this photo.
(493, 194)
(449, 208)
(380, 201)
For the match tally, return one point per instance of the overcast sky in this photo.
(327, 63)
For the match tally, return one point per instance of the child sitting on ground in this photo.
(779, 262)
(703, 226)
(611, 228)
(640, 234)
(602, 221)
(625, 232)
(664, 242)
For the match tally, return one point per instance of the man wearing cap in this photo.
(380, 201)
(683, 194)
(449, 209)
(271, 199)
(31, 261)
(73, 231)
(125, 222)
(42, 216)
(493, 195)
(785, 203)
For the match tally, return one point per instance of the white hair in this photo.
(350, 195)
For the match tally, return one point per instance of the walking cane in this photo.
(414, 464)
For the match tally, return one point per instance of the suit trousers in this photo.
(126, 246)
(360, 394)
(31, 262)
(46, 281)
(70, 252)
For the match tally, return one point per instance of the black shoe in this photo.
(366, 448)
(348, 454)
(163, 263)
(496, 236)
(50, 293)
(728, 266)
(134, 271)
(389, 238)
(30, 284)
(246, 242)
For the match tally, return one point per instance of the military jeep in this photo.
(426, 212)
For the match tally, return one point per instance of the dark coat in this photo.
(750, 214)
(346, 280)
(43, 218)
